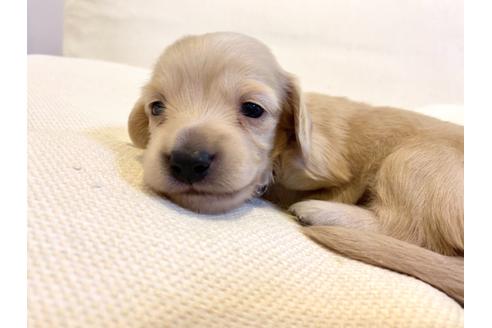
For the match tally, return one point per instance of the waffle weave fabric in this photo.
(104, 251)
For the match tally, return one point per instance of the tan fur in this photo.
(442, 272)
(392, 176)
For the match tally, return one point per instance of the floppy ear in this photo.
(323, 156)
(294, 105)
(138, 125)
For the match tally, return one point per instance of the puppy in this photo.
(221, 122)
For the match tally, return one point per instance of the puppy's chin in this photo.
(213, 203)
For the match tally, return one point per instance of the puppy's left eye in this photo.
(157, 107)
(252, 110)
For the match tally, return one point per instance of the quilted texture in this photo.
(104, 251)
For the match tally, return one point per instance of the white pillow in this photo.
(104, 251)
(400, 53)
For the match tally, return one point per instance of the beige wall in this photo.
(44, 26)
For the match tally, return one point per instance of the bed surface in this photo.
(104, 251)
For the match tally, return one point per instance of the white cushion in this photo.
(105, 251)
(401, 53)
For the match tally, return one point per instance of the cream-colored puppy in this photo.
(222, 122)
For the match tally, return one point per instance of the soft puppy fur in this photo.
(377, 184)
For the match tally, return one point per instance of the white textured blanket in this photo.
(104, 251)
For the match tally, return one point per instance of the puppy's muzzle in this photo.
(189, 166)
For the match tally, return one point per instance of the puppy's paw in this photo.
(318, 212)
(314, 212)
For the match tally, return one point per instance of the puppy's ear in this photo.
(323, 157)
(138, 125)
(296, 109)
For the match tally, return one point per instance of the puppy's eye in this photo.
(251, 110)
(157, 107)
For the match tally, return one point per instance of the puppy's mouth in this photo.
(213, 202)
(197, 190)
(193, 191)
(259, 191)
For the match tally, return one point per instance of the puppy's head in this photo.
(209, 117)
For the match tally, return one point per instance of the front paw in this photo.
(310, 212)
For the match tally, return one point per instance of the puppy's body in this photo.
(390, 161)
(394, 177)
(403, 170)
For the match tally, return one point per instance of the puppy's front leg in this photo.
(320, 212)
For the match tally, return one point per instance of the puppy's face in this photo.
(208, 119)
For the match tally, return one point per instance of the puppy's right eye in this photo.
(251, 109)
(157, 107)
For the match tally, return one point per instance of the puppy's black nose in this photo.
(189, 166)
